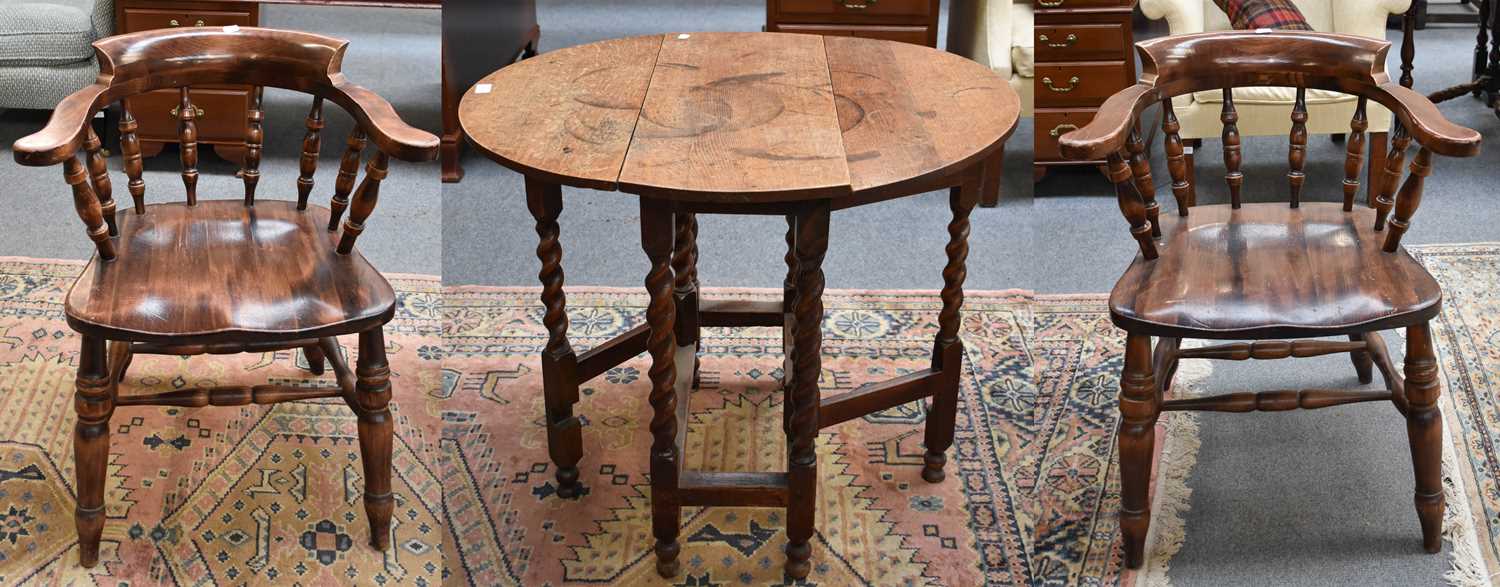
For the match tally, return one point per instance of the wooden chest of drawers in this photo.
(220, 110)
(1084, 54)
(911, 21)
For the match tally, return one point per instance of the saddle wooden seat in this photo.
(270, 269)
(1269, 270)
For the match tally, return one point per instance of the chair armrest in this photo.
(1426, 123)
(391, 134)
(1183, 16)
(63, 134)
(1106, 133)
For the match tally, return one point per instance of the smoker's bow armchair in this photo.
(1263, 110)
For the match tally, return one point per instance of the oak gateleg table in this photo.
(741, 123)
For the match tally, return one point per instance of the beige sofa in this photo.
(997, 33)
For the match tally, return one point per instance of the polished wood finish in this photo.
(1266, 270)
(908, 21)
(1083, 56)
(223, 275)
(796, 126)
(479, 36)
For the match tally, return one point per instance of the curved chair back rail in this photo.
(1183, 64)
(179, 58)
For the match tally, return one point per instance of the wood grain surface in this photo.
(1270, 270)
(743, 118)
(174, 258)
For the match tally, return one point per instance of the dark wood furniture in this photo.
(219, 109)
(782, 130)
(1271, 271)
(1484, 82)
(1083, 56)
(225, 276)
(479, 36)
(908, 21)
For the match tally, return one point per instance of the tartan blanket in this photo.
(1264, 14)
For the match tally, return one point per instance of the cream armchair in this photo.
(1264, 110)
(996, 33)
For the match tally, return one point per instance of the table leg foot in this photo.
(667, 564)
(932, 468)
(798, 560)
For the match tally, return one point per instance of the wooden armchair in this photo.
(225, 276)
(1271, 271)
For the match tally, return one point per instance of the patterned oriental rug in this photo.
(228, 495)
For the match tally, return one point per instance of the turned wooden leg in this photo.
(802, 469)
(1139, 406)
(990, 184)
(685, 284)
(315, 360)
(1424, 430)
(666, 506)
(371, 403)
(95, 403)
(1364, 366)
(1192, 169)
(948, 349)
(559, 363)
(1378, 153)
(788, 323)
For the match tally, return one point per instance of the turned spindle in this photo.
(1400, 140)
(1231, 137)
(364, 201)
(1176, 160)
(312, 142)
(187, 133)
(1140, 169)
(344, 183)
(254, 137)
(1409, 198)
(1131, 204)
(1354, 158)
(99, 179)
(130, 153)
(1297, 147)
(87, 206)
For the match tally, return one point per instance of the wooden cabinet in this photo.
(1083, 56)
(220, 110)
(911, 21)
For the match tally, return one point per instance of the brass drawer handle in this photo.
(856, 4)
(1067, 42)
(1058, 130)
(174, 23)
(197, 111)
(1051, 3)
(1072, 84)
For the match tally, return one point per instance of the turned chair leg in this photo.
(948, 349)
(1139, 406)
(657, 232)
(371, 403)
(802, 454)
(1424, 430)
(95, 403)
(1364, 366)
(316, 362)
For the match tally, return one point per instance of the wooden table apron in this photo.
(741, 123)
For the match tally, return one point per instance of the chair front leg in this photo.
(1139, 406)
(371, 404)
(1424, 430)
(95, 403)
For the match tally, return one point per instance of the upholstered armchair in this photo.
(1264, 110)
(46, 49)
(997, 33)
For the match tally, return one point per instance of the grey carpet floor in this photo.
(395, 55)
(1295, 498)
(489, 240)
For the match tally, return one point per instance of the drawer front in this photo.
(1060, 85)
(143, 19)
(1052, 124)
(855, 7)
(1060, 4)
(906, 34)
(222, 117)
(1081, 42)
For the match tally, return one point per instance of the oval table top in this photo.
(742, 117)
